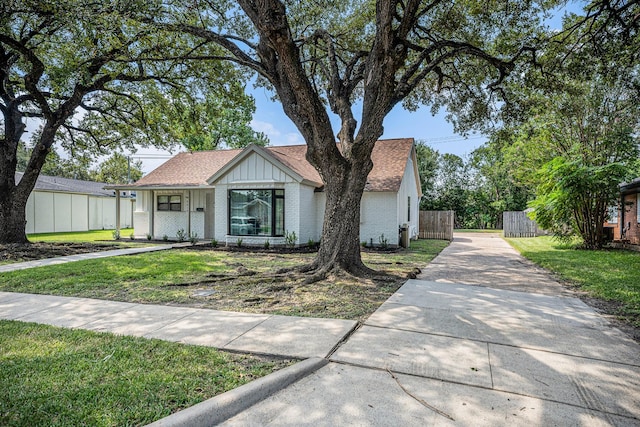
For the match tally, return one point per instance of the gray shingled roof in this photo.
(67, 185)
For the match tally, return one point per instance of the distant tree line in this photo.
(478, 188)
(115, 169)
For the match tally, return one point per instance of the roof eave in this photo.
(159, 187)
(630, 187)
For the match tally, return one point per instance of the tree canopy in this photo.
(98, 77)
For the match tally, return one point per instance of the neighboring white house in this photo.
(62, 204)
(260, 193)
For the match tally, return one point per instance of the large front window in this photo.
(256, 212)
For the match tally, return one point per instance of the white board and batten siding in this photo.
(255, 169)
(57, 212)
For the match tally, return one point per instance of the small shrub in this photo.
(239, 242)
(267, 244)
(116, 234)
(311, 243)
(363, 243)
(214, 243)
(290, 239)
(181, 235)
(384, 243)
(193, 237)
(149, 236)
(165, 238)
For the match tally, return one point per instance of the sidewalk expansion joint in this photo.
(169, 324)
(269, 316)
(490, 367)
(344, 339)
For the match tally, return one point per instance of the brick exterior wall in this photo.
(378, 216)
(630, 220)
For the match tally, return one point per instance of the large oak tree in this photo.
(358, 60)
(96, 78)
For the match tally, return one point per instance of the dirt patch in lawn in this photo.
(248, 287)
(17, 252)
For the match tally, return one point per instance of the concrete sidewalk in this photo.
(297, 337)
(442, 353)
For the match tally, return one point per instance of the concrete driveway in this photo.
(512, 350)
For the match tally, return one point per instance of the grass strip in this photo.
(80, 236)
(611, 275)
(53, 376)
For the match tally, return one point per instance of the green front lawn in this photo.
(52, 376)
(80, 236)
(240, 281)
(612, 275)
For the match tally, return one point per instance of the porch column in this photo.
(118, 212)
(152, 225)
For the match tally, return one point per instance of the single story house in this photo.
(259, 194)
(61, 204)
(624, 220)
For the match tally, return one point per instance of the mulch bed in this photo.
(18, 252)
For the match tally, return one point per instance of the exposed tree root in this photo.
(314, 275)
(306, 274)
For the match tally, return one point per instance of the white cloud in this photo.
(268, 128)
(276, 137)
(294, 139)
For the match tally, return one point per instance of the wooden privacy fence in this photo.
(518, 224)
(436, 225)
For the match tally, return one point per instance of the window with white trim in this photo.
(170, 203)
(613, 215)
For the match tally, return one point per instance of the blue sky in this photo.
(421, 125)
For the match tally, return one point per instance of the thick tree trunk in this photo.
(344, 171)
(13, 197)
(12, 219)
(340, 242)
